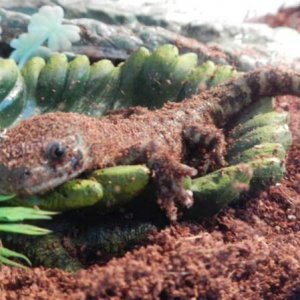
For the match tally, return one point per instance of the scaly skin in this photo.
(41, 153)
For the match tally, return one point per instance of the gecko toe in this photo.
(171, 192)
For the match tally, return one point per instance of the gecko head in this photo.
(41, 153)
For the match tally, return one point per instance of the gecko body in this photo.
(175, 141)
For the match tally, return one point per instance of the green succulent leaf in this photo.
(59, 84)
(15, 214)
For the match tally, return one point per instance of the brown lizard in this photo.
(43, 152)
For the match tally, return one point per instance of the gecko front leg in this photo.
(205, 147)
(168, 174)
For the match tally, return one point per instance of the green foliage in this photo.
(6, 197)
(17, 214)
(108, 188)
(6, 254)
(12, 92)
(23, 229)
(145, 79)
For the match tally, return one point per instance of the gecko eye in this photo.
(55, 152)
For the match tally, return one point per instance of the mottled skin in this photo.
(45, 151)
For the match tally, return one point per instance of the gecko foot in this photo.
(169, 176)
(167, 173)
(205, 147)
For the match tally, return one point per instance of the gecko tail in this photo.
(238, 93)
(273, 82)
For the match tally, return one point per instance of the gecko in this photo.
(178, 140)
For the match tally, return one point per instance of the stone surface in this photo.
(159, 12)
(252, 45)
(115, 28)
(117, 42)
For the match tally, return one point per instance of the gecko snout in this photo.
(12, 179)
(19, 175)
(18, 178)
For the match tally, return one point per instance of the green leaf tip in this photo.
(6, 254)
(15, 214)
(23, 229)
(6, 197)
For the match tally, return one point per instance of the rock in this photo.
(252, 45)
(114, 29)
(163, 13)
(116, 42)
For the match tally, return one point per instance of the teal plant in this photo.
(45, 27)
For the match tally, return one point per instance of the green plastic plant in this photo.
(145, 79)
(8, 217)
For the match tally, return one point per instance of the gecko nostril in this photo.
(18, 178)
(20, 174)
(23, 174)
(76, 160)
(26, 173)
